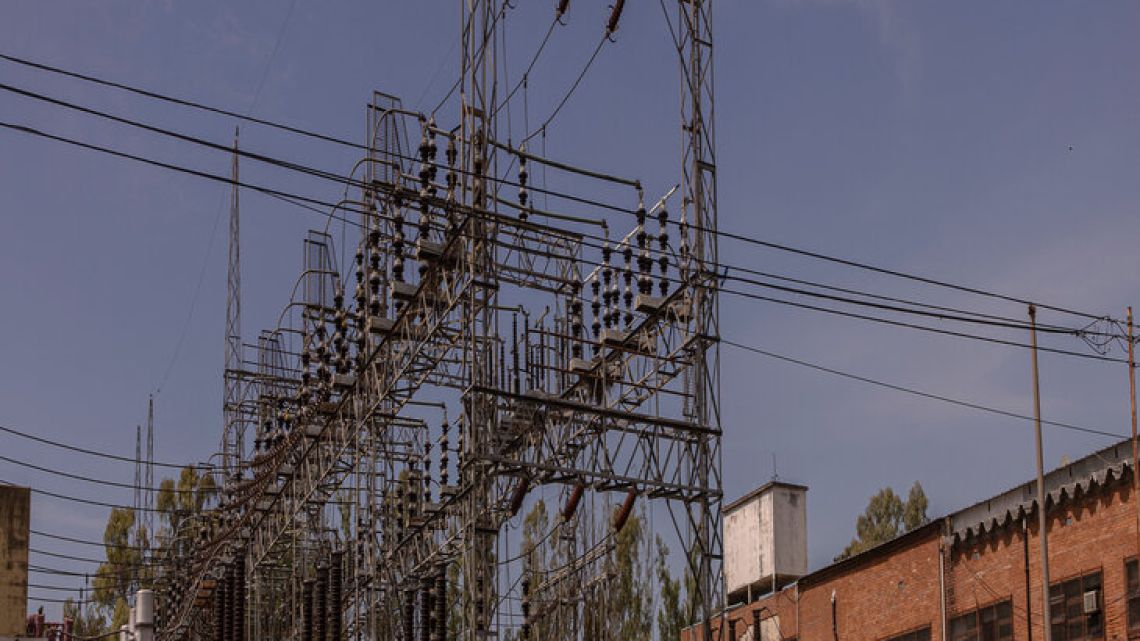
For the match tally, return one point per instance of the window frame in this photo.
(902, 636)
(977, 613)
(1059, 616)
(1132, 628)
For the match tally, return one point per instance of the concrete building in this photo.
(15, 519)
(973, 575)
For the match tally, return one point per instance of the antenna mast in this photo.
(232, 441)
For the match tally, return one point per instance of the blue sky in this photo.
(992, 144)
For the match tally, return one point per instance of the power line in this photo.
(1008, 323)
(328, 175)
(66, 556)
(272, 57)
(562, 103)
(903, 275)
(89, 479)
(85, 559)
(927, 328)
(58, 588)
(42, 569)
(916, 392)
(202, 174)
(101, 544)
(84, 450)
(720, 232)
(77, 499)
(478, 55)
(180, 101)
(529, 67)
(945, 313)
(341, 180)
(896, 323)
(43, 599)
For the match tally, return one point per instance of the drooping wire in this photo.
(720, 232)
(916, 392)
(565, 98)
(530, 67)
(29, 130)
(92, 452)
(88, 479)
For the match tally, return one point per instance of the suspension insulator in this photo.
(336, 596)
(239, 599)
(595, 307)
(409, 615)
(228, 611)
(425, 611)
(219, 607)
(427, 473)
(307, 611)
(320, 597)
(441, 602)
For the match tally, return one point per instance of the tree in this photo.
(885, 518)
(670, 615)
(88, 622)
(116, 577)
(914, 513)
(536, 526)
(626, 607)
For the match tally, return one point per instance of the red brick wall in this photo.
(781, 605)
(1089, 533)
(889, 592)
(877, 599)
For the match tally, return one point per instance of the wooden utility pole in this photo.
(1132, 399)
(1042, 519)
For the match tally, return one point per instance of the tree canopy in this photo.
(886, 517)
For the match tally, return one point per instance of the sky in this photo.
(990, 144)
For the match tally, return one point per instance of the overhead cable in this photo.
(916, 392)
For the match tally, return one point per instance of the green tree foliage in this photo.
(671, 617)
(626, 606)
(128, 546)
(115, 578)
(536, 528)
(886, 517)
(179, 501)
(88, 622)
(914, 512)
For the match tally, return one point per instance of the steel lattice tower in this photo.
(485, 350)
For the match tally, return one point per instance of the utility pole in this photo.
(1042, 519)
(1132, 400)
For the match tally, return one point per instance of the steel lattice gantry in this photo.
(474, 350)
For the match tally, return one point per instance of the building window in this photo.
(921, 634)
(991, 623)
(1132, 575)
(1076, 608)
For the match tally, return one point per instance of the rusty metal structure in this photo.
(467, 350)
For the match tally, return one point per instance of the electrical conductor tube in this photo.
(615, 16)
(519, 495)
(572, 502)
(621, 515)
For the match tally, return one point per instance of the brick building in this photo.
(973, 575)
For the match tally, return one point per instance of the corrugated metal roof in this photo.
(1080, 477)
